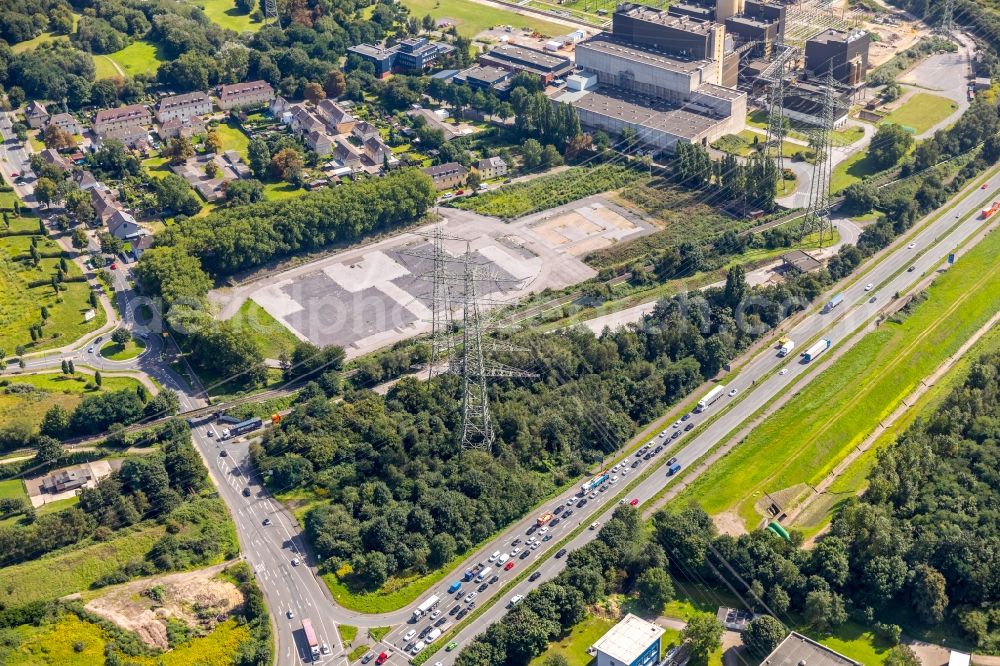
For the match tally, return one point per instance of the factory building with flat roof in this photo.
(846, 52)
(515, 58)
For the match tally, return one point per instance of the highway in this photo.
(756, 383)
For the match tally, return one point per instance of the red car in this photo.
(382, 658)
(14, 174)
(982, 188)
(114, 266)
(635, 501)
(508, 566)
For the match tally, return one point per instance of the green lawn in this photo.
(43, 38)
(827, 418)
(747, 141)
(106, 67)
(280, 191)
(472, 18)
(56, 389)
(139, 57)
(574, 645)
(117, 352)
(269, 334)
(922, 112)
(846, 136)
(225, 14)
(20, 305)
(12, 488)
(851, 170)
(232, 138)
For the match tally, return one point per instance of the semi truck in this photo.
(786, 348)
(834, 302)
(307, 628)
(816, 350)
(988, 212)
(710, 397)
(543, 519)
(425, 606)
(457, 585)
(242, 428)
(594, 482)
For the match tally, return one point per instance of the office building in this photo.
(845, 52)
(631, 642)
(796, 649)
(413, 54)
(513, 58)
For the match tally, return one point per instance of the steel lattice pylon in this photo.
(775, 74)
(818, 210)
(947, 25)
(271, 12)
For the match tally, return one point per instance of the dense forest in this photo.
(919, 548)
(403, 496)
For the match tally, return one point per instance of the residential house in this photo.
(346, 153)
(53, 157)
(69, 478)
(35, 114)
(280, 108)
(303, 121)
(103, 201)
(182, 107)
(364, 131)
(319, 142)
(127, 124)
(66, 123)
(86, 181)
(140, 245)
(186, 128)
(123, 226)
(491, 167)
(235, 164)
(335, 116)
(447, 176)
(244, 95)
(377, 152)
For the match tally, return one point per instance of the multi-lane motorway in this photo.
(757, 382)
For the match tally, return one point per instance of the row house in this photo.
(128, 124)
(182, 107)
(244, 95)
(335, 116)
(185, 129)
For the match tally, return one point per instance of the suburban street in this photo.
(757, 382)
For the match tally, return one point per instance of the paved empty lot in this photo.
(370, 297)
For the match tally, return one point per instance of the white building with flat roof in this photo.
(631, 642)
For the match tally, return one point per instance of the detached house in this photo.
(492, 167)
(378, 152)
(123, 226)
(364, 131)
(35, 114)
(244, 95)
(182, 107)
(346, 153)
(66, 123)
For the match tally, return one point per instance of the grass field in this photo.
(29, 408)
(280, 191)
(73, 570)
(20, 306)
(575, 644)
(225, 14)
(851, 170)
(106, 68)
(232, 138)
(117, 352)
(472, 18)
(43, 38)
(12, 488)
(922, 112)
(139, 57)
(805, 439)
(265, 330)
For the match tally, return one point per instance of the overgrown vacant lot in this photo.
(472, 18)
(805, 439)
(545, 192)
(21, 304)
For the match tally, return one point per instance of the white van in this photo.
(503, 560)
(495, 555)
(482, 575)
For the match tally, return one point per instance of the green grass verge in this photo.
(56, 389)
(806, 438)
(116, 352)
(226, 14)
(575, 644)
(357, 653)
(922, 112)
(347, 633)
(43, 38)
(378, 633)
(267, 332)
(851, 171)
(139, 57)
(472, 18)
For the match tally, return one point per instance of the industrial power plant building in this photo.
(637, 78)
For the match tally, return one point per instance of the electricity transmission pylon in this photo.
(271, 12)
(775, 74)
(455, 282)
(818, 210)
(947, 25)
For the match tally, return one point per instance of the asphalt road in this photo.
(14, 159)
(756, 383)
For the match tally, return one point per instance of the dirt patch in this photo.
(729, 522)
(785, 500)
(196, 598)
